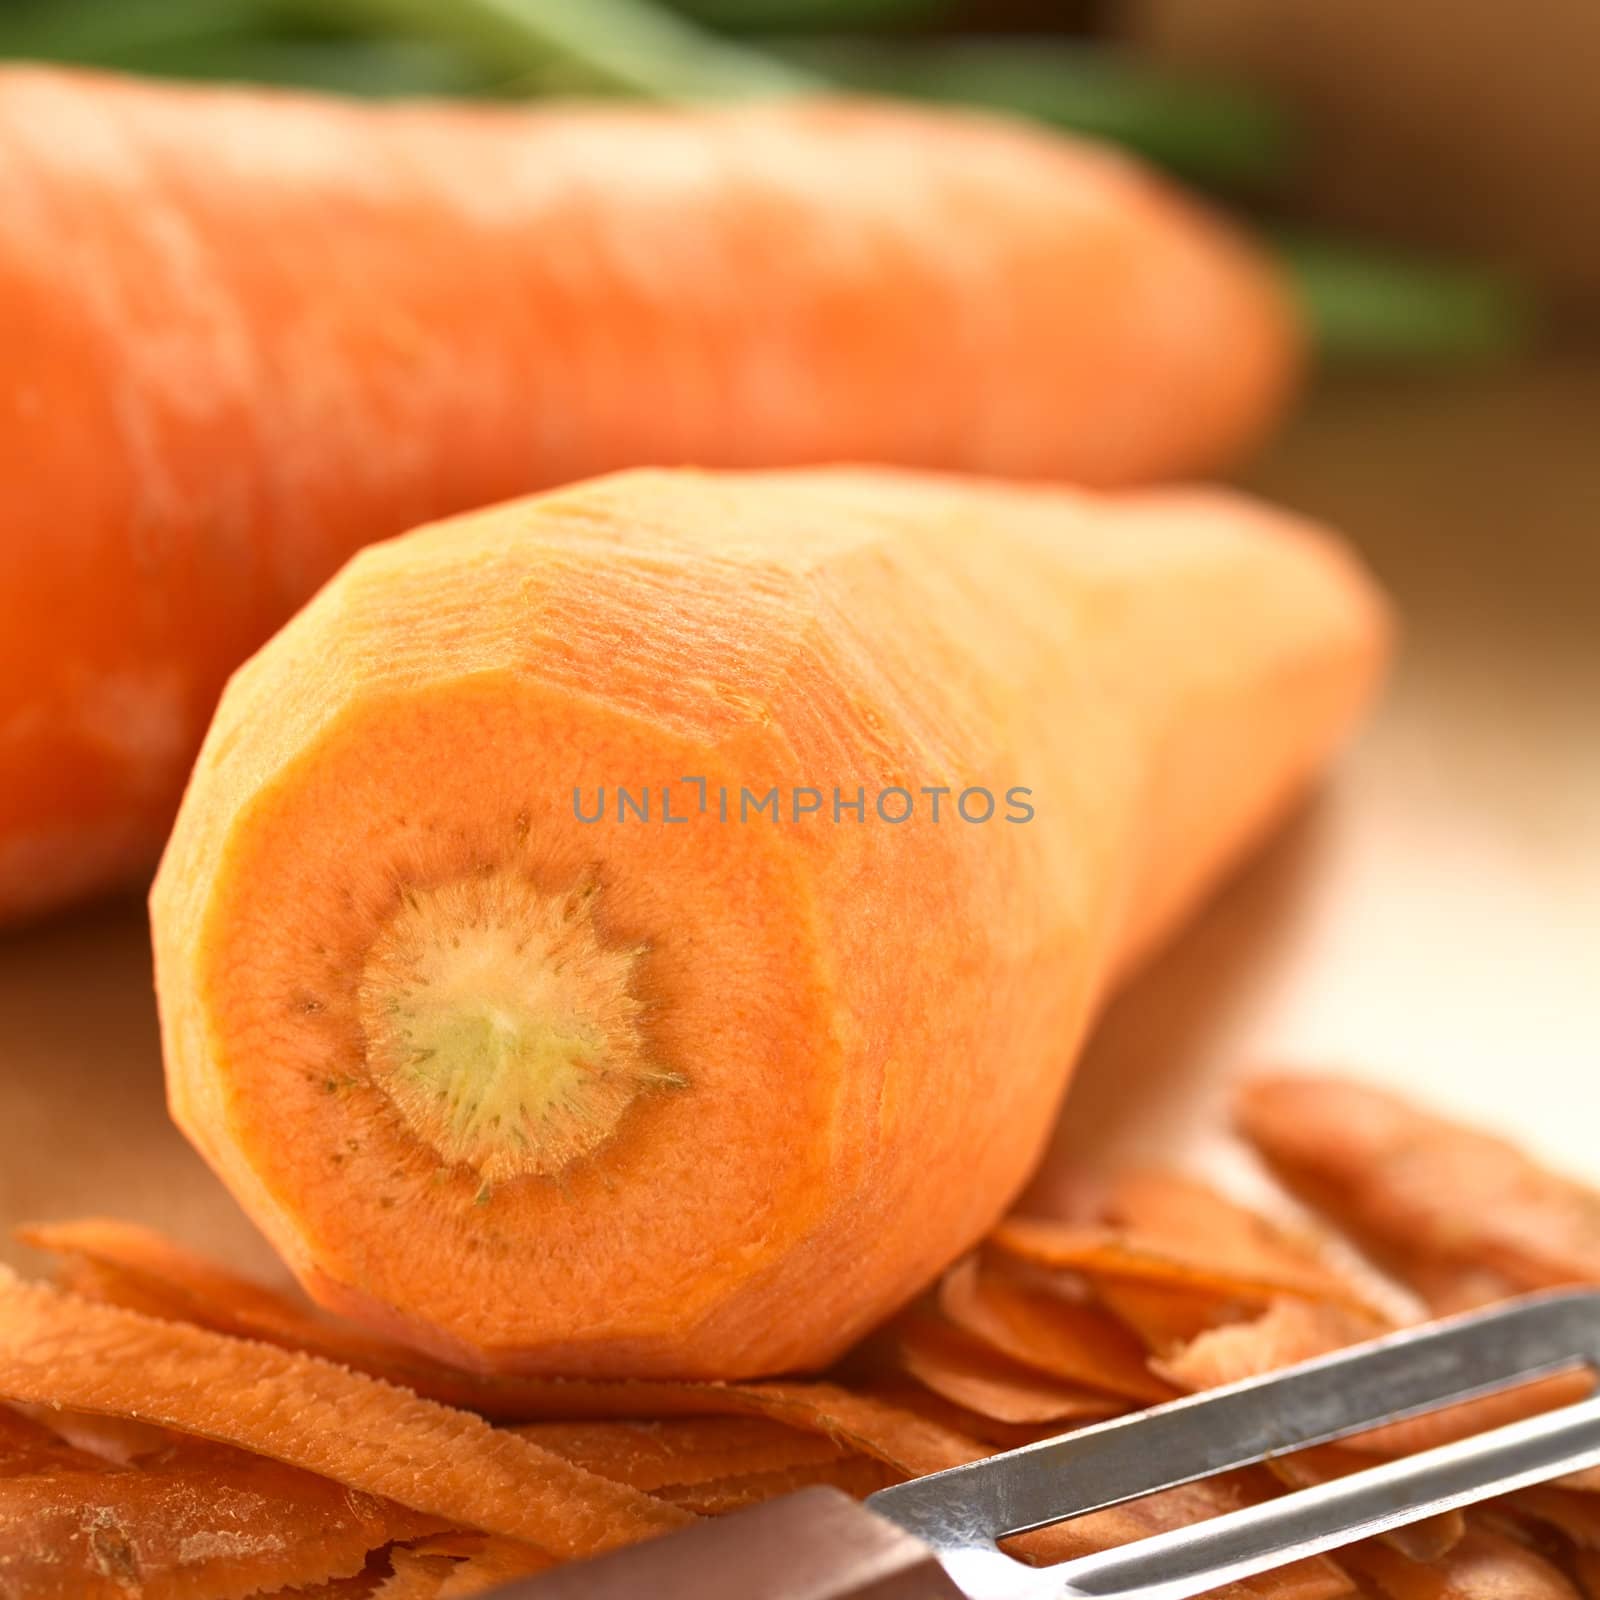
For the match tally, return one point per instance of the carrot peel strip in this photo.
(676, 1452)
(306, 1412)
(954, 1365)
(1079, 1343)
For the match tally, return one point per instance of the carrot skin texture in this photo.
(248, 332)
(872, 1024)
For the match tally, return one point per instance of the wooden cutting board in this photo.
(1434, 920)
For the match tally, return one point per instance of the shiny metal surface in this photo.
(963, 1512)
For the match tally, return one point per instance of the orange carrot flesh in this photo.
(1287, 1332)
(304, 1412)
(748, 1443)
(444, 697)
(375, 315)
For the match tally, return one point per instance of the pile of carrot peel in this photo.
(173, 1431)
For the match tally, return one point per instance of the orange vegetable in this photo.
(296, 325)
(308, 1413)
(711, 1099)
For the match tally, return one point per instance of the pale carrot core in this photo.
(505, 1030)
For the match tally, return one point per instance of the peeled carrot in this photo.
(711, 1098)
(296, 325)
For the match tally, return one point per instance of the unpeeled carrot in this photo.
(247, 332)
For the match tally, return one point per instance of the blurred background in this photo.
(1431, 172)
